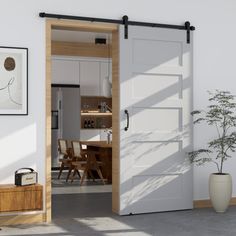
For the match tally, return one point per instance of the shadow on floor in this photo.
(90, 215)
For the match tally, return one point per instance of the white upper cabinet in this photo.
(90, 74)
(65, 71)
(90, 78)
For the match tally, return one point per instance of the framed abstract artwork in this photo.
(13, 81)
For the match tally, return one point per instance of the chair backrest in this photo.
(63, 146)
(76, 148)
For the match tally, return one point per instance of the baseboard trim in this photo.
(22, 219)
(207, 203)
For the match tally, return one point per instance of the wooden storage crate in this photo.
(21, 198)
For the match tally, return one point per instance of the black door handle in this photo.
(127, 115)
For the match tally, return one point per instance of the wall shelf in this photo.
(93, 117)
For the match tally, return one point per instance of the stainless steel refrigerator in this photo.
(65, 116)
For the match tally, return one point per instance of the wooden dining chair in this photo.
(66, 159)
(92, 164)
(86, 161)
(79, 159)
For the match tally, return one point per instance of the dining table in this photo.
(104, 151)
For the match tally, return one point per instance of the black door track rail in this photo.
(125, 21)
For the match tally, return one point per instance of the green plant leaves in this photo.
(220, 114)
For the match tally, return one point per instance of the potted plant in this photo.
(220, 114)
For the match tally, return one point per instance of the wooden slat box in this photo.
(21, 198)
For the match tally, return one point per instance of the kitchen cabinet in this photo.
(90, 78)
(65, 71)
(90, 74)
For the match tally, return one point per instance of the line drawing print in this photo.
(10, 65)
(13, 81)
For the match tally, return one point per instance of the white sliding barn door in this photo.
(156, 90)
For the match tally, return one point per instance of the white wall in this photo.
(22, 139)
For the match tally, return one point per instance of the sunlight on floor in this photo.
(41, 229)
(108, 226)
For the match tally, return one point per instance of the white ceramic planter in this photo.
(220, 190)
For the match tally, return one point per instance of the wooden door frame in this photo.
(87, 27)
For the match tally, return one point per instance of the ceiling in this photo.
(77, 36)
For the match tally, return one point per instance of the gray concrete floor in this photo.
(90, 214)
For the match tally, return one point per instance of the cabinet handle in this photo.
(127, 115)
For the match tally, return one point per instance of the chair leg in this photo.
(91, 174)
(100, 175)
(83, 176)
(78, 173)
(73, 176)
(69, 173)
(61, 169)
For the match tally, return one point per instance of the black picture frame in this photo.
(14, 80)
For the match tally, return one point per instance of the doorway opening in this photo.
(71, 69)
